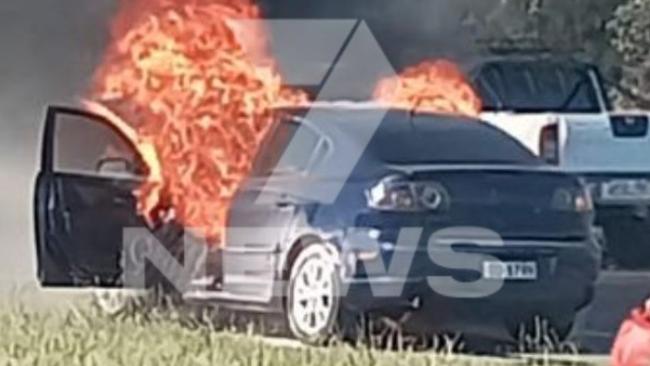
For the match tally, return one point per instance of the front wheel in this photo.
(313, 295)
(114, 302)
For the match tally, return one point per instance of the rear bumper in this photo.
(568, 272)
(497, 317)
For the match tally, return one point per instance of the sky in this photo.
(49, 49)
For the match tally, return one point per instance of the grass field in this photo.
(82, 336)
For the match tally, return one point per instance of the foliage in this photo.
(613, 34)
(84, 337)
(577, 26)
(629, 30)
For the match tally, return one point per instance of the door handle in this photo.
(284, 202)
(120, 201)
(67, 222)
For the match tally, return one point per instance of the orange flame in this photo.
(433, 86)
(196, 85)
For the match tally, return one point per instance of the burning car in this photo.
(485, 236)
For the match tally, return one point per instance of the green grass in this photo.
(81, 336)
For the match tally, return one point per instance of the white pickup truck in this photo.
(560, 110)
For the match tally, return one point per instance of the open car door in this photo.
(84, 199)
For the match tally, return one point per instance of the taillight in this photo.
(397, 193)
(574, 199)
(549, 144)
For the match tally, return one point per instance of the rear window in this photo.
(289, 148)
(449, 142)
(537, 86)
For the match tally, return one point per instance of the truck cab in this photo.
(559, 109)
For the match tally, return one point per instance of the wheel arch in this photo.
(305, 232)
(297, 246)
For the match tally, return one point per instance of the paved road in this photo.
(617, 293)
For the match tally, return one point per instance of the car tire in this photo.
(555, 330)
(115, 302)
(564, 329)
(313, 295)
(158, 290)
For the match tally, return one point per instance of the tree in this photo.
(629, 31)
(576, 26)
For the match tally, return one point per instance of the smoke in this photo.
(409, 31)
(49, 48)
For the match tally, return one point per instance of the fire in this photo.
(195, 84)
(146, 150)
(191, 84)
(433, 86)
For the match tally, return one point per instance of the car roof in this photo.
(402, 136)
(350, 118)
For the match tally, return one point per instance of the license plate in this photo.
(512, 271)
(625, 190)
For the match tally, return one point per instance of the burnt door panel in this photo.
(84, 200)
(258, 223)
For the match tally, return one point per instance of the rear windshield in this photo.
(537, 86)
(458, 142)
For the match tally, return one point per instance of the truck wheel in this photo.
(313, 295)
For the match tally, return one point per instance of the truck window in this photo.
(537, 86)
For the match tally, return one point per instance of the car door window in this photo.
(89, 147)
(289, 148)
